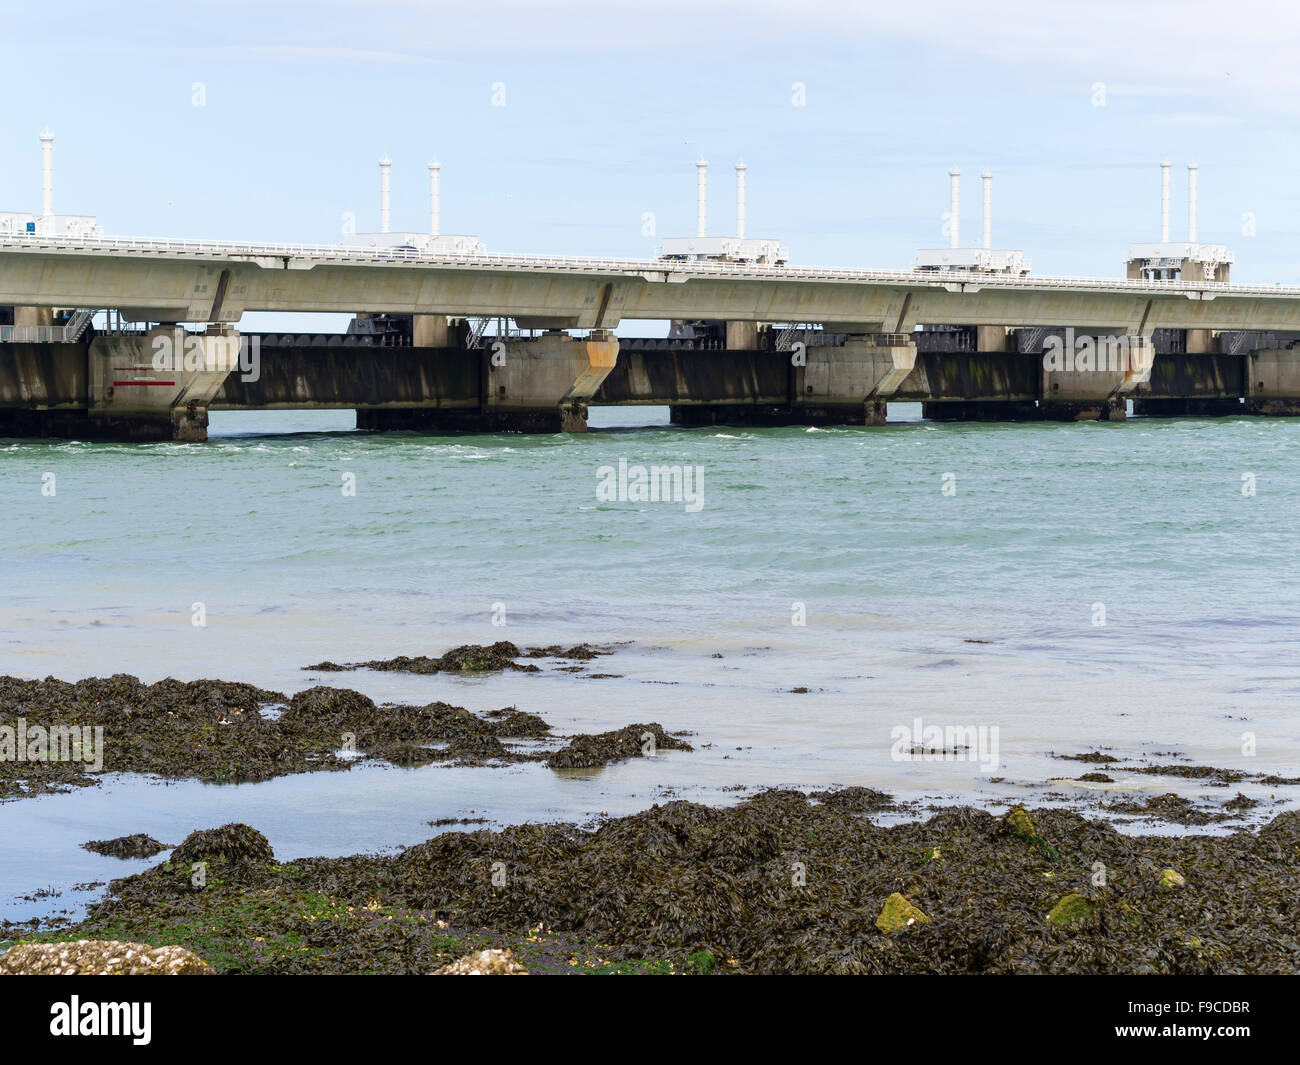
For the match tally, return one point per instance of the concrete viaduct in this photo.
(965, 344)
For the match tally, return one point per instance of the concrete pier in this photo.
(162, 385)
(1272, 379)
(158, 386)
(1092, 381)
(416, 366)
(541, 385)
(154, 386)
(545, 385)
(847, 383)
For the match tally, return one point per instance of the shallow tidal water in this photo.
(1075, 587)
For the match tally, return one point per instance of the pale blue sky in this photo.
(607, 106)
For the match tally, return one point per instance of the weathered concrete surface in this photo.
(989, 377)
(742, 335)
(1272, 374)
(113, 388)
(846, 384)
(554, 373)
(682, 377)
(542, 385)
(1272, 382)
(43, 376)
(850, 374)
(993, 338)
(546, 385)
(1096, 382)
(158, 386)
(1103, 409)
(28, 316)
(1096, 375)
(431, 331)
(1193, 376)
(361, 378)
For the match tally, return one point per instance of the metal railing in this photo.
(477, 328)
(68, 332)
(77, 325)
(31, 334)
(956, 280)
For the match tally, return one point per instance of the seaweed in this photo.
(135, 846)
(779, 883)
(468, 658)
(216, 731)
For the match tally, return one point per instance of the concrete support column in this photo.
(993, 338)
(742, 336)
(1273, 383)
(851, 384)
(1093, 379)
(1106, 409)
(43, 390)
(544, 385)
(158, 386)
(431, 331)
(848, 384)
(540, 385)
(600, 351)
(34, 316)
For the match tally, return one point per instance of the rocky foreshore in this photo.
(227, 732)
(781, 883)
(469, 658)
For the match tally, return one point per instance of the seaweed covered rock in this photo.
(1020, 824)
(98, 957)
(1170, 880)
(473, 658)
(467, 658)
(898, 914)
(210, 729)
(1169, 807)
(139, 845)
(516, 724)
(578, 653)
(1281, 836)
(233, 843)
(856, 800)
(631, 741)
(232, 733)
(1072, 909)
(336, 710)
